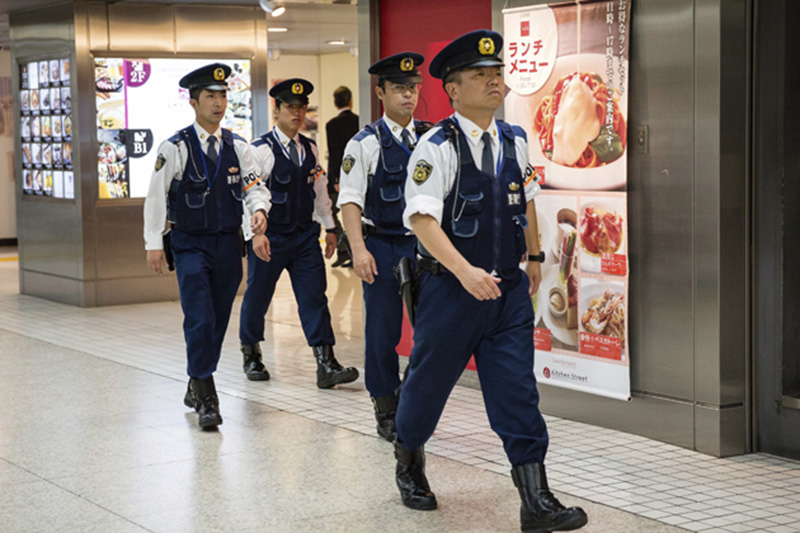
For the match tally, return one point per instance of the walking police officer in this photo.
(372, 201)
(470, 204)
(289, 163)
(201, 175)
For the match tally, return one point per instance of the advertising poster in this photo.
(45, 127)
(566, 73)
(140, 104)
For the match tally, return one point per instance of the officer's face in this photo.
(399, 99)
(210, 106)
(291, 117)
(478, 88)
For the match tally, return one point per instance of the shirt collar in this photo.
(285, 138)
(397, 129)
(474, 133)
(203, 135)
(343, 110)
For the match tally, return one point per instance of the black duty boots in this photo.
(201, 395)
(385, 411)
(411, 480)
(541, 512)
(329, 371)
(254, 368)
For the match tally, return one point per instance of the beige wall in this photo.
(326, 72)
(8, 210)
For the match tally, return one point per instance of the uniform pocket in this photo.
(283, 179)
(471, 203)
(192, 214)
(465, 228)
(279, 212)
(391, 194)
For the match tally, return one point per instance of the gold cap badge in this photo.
(297, 88)
(486, 46)
(219, 74)
(407, 64)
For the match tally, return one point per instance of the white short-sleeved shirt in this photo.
(428, 197)
(265, 161)
(362, 152)
(171, 162)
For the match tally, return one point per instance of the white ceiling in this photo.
(310, 23)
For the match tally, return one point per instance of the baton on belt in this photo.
(165, 240)
(405, 275)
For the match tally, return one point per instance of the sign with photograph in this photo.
(46, 128)
(566, 68)
(140, 104)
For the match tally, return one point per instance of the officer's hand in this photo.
(479, 283)
(336, 187)
(261, 247)
(156, 261)
(364, 265)
(258, 223)
(534, 271)
(330, 244)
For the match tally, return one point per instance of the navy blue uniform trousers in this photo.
(450, 326)
(299, 253)
(383, 307)
(209, 269)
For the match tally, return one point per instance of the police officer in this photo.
(371, 193)
(470, 204)
(290, 165)
(201, 175)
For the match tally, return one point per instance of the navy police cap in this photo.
(399, 68)
(211, 77)
(292, 91)
(480, 48)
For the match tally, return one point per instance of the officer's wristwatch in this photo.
(331, 230)
(538, 258)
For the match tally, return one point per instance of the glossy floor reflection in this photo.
(94, 437)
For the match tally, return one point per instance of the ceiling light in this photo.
(276, 29)
(337, 43)
(276, 9)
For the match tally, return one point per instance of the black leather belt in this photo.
(368, 231)
(431, 265)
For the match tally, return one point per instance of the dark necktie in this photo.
(407, 141)
(487, 160)
(212, 149)
(293, 155)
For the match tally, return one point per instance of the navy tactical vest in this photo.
(484, 216)
(292, 187)
(197, 206)
(385, 199)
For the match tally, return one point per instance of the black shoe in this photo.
(385, 411)
(541, 512)
(189, 399)
(206, 403)
(253, 367)
(329, 371)
(411, 480)
(341, 259)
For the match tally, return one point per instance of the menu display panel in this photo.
(46, 127)
(139, 104)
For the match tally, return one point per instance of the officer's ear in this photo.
(379, 92)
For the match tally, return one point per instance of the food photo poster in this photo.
(566, 73)
(139, 104)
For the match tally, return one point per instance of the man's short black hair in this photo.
(194, 94)
(342, 97)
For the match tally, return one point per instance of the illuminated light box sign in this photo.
(139, 104)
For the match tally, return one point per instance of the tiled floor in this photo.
(291, 457)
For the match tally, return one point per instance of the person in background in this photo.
(471, 204)
(371, 198)
(290, 165)
(201, 176)
(338, 131)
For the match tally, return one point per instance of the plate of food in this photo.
(34, 99)
(603, 309)
(566, 125)
(558, 306)
(111, 115)
(25, 100)
(67, 127)
(601, 231)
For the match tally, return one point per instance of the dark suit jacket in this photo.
(339, 130)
